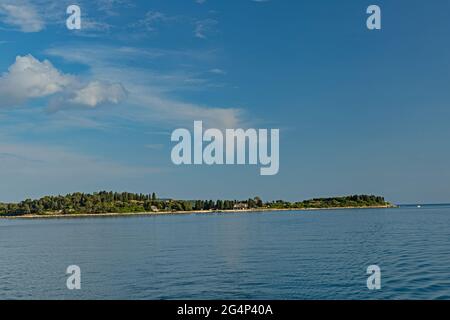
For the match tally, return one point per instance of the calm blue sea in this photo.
(276, 255)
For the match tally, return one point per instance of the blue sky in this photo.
(359, 111)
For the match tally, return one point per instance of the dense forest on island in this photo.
(125, 202)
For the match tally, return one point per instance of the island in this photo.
(124, 203)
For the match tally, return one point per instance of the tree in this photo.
(258, 202)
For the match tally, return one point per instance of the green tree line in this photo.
(125, 202)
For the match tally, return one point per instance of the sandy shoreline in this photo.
(149, 214)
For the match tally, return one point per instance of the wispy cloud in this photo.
(151, 92)
(21, 15)
(153, 19)
(36, 15)
(205, 27)
(113, 7)
(217, 71)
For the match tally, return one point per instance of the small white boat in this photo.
(419, 206)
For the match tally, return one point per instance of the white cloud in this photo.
(96, 93)
(30, 78)
(22, 15)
